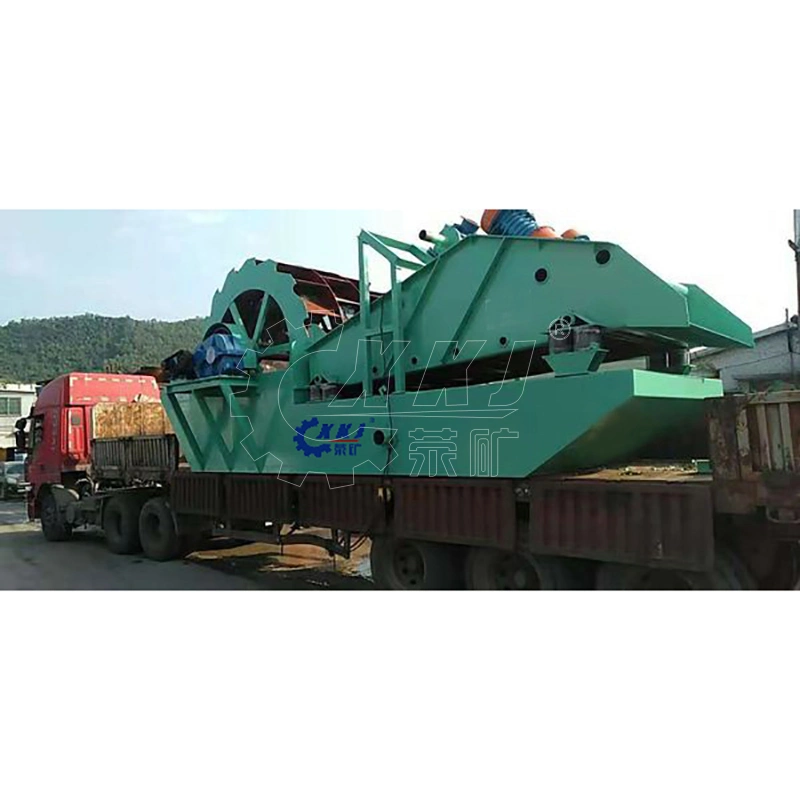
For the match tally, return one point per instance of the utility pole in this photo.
(792, 336)
(795, 245)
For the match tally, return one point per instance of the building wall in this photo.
(15, 401)
(775, 360)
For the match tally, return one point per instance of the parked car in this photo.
(12, 479)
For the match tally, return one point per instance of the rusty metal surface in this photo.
(723, 417)
(662, 524)
(196, 493)
(258, 498)
(326, 293)
(475, 512)
(264, 498)
(667, 523)
(357, 508)
(150, 458)
(755, 450)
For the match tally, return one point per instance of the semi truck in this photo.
(501, 418)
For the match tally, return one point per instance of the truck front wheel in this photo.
(54, 526)
(121, 525)
(159, 535)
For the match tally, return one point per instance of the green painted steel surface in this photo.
(482, 313)
(530, 425)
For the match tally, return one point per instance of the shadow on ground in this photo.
(297, 567)
(27, 561)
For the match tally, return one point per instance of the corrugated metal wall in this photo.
(668, 524)
(640, 522)
(147, 458)
(477, 512)
(357, 507)
(258, 498)
(755, 450)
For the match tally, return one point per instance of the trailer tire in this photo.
(54, 526)
(728, 574)
(490, 570)
(408, 565)
(158, 532)
(121, 525)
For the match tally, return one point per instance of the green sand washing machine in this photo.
(490, 356)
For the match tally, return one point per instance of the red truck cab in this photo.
(59, 435)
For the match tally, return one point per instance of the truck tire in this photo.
(158, 533)
(496, 570)
(121, 525)
(407, 565)
(54, 526)
(728, 574)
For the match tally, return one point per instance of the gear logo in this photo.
(302, 443)
(344, 444)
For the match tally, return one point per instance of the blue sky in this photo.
(165, 264)
(168, 264)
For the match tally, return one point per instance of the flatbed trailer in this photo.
(460, 421)
(674, 524)
(669, 525)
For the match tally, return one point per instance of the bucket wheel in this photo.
(259, 307)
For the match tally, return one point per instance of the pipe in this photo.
(432, 237)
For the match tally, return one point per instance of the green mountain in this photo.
(40, 349)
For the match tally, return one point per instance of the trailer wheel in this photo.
(406, 565)
(496, 570)
(54, 526)
(121, 525)
(158, 532)
(728, 574)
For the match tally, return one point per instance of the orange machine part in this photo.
(487, 219)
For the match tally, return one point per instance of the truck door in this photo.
(47, 444)
(38, 451)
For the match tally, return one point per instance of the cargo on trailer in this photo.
(490, 422)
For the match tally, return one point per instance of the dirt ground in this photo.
(27, 561)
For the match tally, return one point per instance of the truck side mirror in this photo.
(21, 424)
(21, 441)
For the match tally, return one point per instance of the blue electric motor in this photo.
(220, 354)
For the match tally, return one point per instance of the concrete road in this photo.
(13, 513)
(27, 561)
